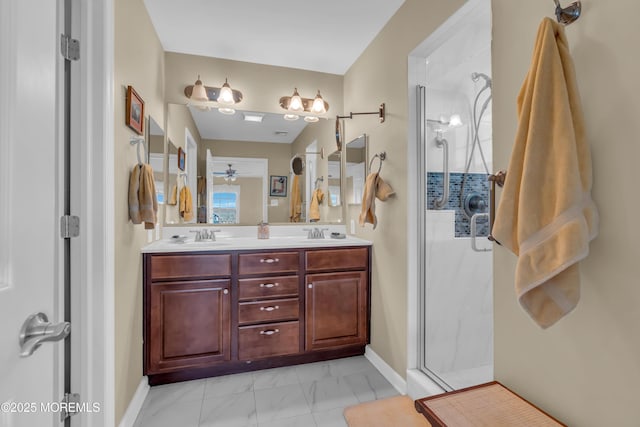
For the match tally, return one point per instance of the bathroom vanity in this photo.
(237, 307)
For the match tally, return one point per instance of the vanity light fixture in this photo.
(225, 96)
(295, 104)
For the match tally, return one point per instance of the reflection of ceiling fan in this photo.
(228, 175)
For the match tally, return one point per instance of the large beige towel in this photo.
(295, 200)
(546, 215)
(143, 202)
(374, 186)
(186, 204)
(314, 207)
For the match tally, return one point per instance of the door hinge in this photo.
(69, 48)
(69, 226)
(69, 405)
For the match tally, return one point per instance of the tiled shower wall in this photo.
(474, 183)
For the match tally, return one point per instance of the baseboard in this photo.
(387, 371)
(129, 418)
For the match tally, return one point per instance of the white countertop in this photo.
(251, 243)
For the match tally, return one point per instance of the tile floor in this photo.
(312, 395)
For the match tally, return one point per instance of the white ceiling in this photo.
(215, 125)
(322, 35)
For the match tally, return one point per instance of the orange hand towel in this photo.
(314, 207)
(546, 216)
(143, 202)
(186, 204)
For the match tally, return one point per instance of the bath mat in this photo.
(393, 412)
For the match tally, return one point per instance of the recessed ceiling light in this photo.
(253, 117)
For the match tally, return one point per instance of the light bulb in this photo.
(199, 93)
(318, 105)
(296, 102)
(455, 120)
(226, 94)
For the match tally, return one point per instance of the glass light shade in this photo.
(226, 94)
(296, 102)
(228, 111)
(199, 93)
(311, 119)
(291, 117)
(318, 105)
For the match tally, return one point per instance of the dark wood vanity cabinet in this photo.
(208, 314)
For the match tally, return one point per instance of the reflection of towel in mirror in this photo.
(546, 216)
(186, 204)
(202, 184)
(374, 187)
(173, 198)
(143, 202)
(296, 200)
(314, 207)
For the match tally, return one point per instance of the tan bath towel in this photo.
(295, 201)
(143, 202)
(546, 215)
(374, 186)
(186, 204)
(173, 197)
(314, 208)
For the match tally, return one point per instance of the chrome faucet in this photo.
(204, 234)
(315, 233)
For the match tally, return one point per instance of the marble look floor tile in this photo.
(350, 365)
(277, 377)
(228, 384)
(328, 393)
(314, 371)
(370, 385)
(185, 414)
(161, 396)
(280, 403)
(301, 421)
(234, 410)
(332, 418)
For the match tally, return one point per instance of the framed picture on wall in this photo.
(181, 158)
(278, 186)
(135, 111)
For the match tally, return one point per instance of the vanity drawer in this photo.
(269, 311)
(183, 266)
(271, 262)
(266, 287)
(337, 259)
(272, 339)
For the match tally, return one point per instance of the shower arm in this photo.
(441, 142)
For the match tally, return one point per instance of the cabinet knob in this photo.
(270, 308)
(268, 285)
(226, 291)
(310, 285)
(269, 260)
(269, 332)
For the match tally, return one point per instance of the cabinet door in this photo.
(336, 309)
(189, 325)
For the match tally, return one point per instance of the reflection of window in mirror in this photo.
(333, 185)
(155, 153)
(225, 204)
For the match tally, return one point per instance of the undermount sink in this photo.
(204, 243)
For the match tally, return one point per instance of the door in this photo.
(31, 204)
(336, 310)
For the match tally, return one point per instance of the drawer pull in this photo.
(269, 285)
(269, 332)
(310, 285)
(270, 260)
(226, 291)
(270, 308)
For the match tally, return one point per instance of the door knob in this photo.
(37, 329)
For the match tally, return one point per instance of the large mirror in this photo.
(356, 153)
(240, 168)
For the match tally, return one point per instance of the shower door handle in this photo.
(496, 179)
(441, 203)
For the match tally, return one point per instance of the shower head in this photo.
(477, 76)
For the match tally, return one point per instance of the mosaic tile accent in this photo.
(474, 182)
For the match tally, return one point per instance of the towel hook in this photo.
(140, 142)
(381, 157)
(568, 14)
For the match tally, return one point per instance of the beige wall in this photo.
(278, 156)
(139, 62)
(380, 75)
(586, 368)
